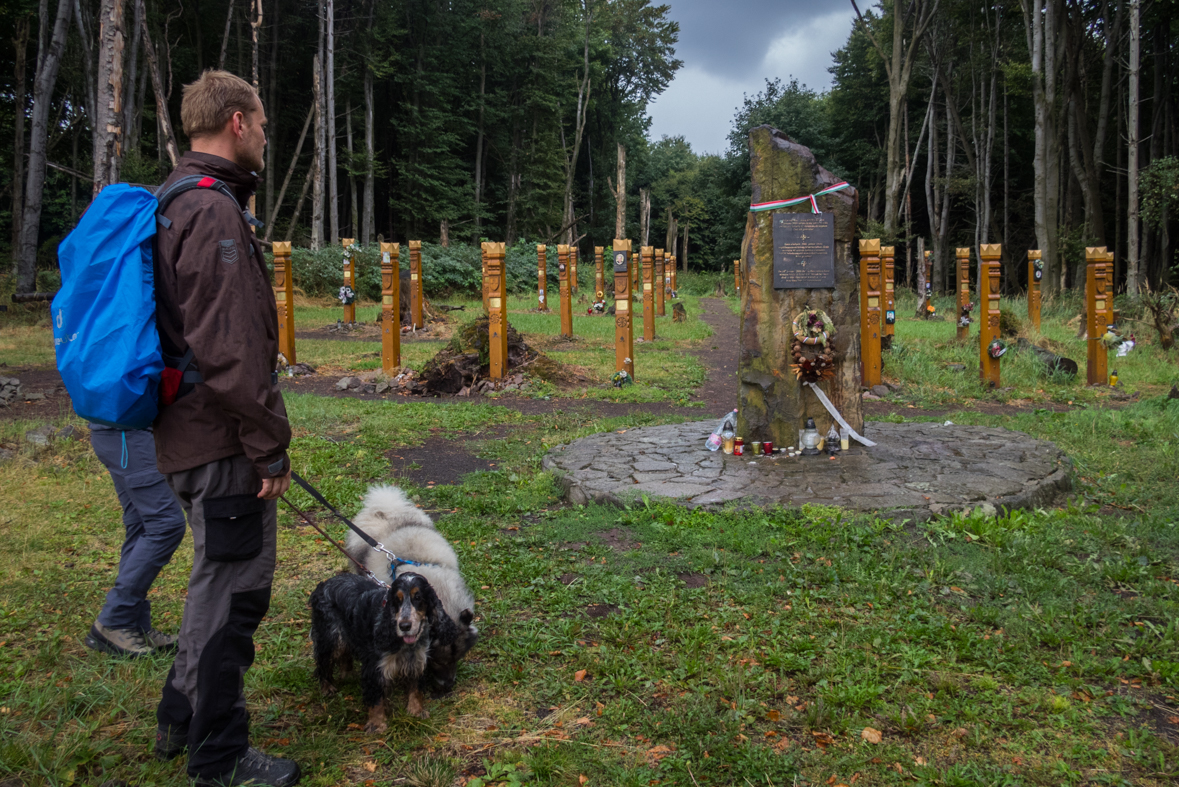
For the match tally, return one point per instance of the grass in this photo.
(717, 648)
(656, 645)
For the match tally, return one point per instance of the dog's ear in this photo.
(466, 616)
(433, 605)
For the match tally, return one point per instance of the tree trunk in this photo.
(354, 205)
(444, 233)
(299, 205)
(329, 70)
(108, 118)
(644, 216)
(255, 29)
(685, 257)
(225, 36)
(368, 218)
(479, 142)
(908, 28)
(571, 155)
(83, 22)
(130, 106)
(1041, 27)
(48, 63)
(163, 119)
(1133, 284)
(317, 168)
(619, 190)
(290, 171)
(272, 109)
(21, 105)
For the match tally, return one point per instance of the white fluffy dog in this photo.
(408, 532)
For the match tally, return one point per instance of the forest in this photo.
(1046, 124)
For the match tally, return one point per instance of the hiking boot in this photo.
(159, 641)
(255, 768)
(117, 642)
(170, 742)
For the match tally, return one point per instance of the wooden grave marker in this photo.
(1035, 279)
(541, 263)
(415, 284)
(989, 255)
(888, 260)
(284, 299)
(648, 261)
(390, 306)
(349, 280)
(563, 255)
(624, 336)
(962, 284)
(871, 296)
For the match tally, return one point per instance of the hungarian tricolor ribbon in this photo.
(785, 203)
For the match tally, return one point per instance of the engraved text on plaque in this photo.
(804, 250)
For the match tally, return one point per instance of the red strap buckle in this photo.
(206, 182)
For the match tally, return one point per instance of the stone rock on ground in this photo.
(917, 470)
(9, 390)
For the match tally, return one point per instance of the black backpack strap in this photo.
(190, 182)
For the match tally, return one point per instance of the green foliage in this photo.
(1160, 190)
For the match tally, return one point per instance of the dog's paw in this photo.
(327, 688)
(419, 712)
(376, 727)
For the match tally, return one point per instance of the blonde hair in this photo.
(212, 100)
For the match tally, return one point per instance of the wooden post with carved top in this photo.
(870, 298)
(737, 276)
(541, 275)
(390, 306)
(988, 311)
(962, 284)
(415, 283)
(660, 302)
(647, 260)
(674, 264)
(1097, 314)
(599, 274)
(349, 280)
(284, 299)
(1035, 275)
(563, 254)
(497, 311)
(888, 262)
(573, 270)
(624, 336)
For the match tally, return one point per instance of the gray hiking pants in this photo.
(233, 535)
(151, 516)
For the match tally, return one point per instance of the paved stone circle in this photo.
(916, 470)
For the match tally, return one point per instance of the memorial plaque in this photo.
(804, 250)
(621, 259)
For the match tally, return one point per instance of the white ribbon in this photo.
(839, 418)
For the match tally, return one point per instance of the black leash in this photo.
(372, 542)
(362, 568)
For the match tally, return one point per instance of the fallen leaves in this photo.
(657, 753)
(370, 766)
(579, 676)
(872, 735)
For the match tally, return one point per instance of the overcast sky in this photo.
(729, 49)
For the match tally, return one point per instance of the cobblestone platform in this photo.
(916, 470)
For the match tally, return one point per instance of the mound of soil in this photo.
(467, 359)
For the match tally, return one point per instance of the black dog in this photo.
(399, 635)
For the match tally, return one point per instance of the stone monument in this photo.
(793, 261)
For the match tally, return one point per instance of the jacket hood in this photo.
(243, 182)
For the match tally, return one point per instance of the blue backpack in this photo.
(104, 315)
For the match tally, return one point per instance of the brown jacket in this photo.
(213, 294)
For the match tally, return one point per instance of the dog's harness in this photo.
(394, 561)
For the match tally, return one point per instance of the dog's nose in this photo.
(404, 625)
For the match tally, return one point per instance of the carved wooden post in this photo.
(888, 260)
(563, 255)
(573, 270)
(737, 276)
(963, 285)
(624, 337)
(928, 275)
(497, 312)
(988, 311)
(483, 275)
(541, 262)
(1035, 275)
(1110, 319)
(284, 299)
(660, 302)
(674, 283)
(349, 279)
(415, 283)
(647, 258)
(870, 298)
(1097, 313)
(599, 274)
(390, 306)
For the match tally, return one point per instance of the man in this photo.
(154, 525)
(223, 444)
